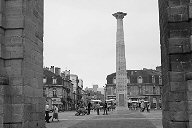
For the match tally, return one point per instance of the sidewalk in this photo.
(68, 119)
(127, 119)
(155, 117)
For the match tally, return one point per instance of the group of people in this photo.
(55, 113)
(96, 107)
(105, 107)
(80, 110)
(147, 106)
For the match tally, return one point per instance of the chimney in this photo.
(67, 73)
(158, 68)
(63, 75)
(57, 71)
(47, 68)
(52, 69)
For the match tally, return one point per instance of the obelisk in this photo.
(121, 74)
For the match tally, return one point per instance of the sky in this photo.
(80, 36)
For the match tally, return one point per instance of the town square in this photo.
(95, 64)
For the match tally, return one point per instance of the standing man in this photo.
(148, 107)
(97, 107)
(105, 108)
(89, 108)
(142, 106)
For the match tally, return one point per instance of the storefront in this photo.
(58, 103)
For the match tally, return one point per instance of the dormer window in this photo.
(139, 80)
(54, 80)
(128, 80)
(132, 72)
(114, 80)
(160, 80)
(44, 80)
(153, 79)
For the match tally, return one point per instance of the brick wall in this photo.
(21, 23)
(175, 38)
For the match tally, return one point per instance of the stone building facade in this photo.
(58, 89)
(21, 63)
(77, 89)
(75, 80)
(175, 38)
(143, 84)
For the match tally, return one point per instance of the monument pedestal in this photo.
(118, 108)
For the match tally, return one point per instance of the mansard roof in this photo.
(146, 74)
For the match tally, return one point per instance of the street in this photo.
(125, 119)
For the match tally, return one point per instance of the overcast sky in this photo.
(80, 35)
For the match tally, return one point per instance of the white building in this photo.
(80, 84)
(74, 79)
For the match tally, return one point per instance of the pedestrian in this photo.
(97, 107)
(55, 113)
(148, 107)
(89, 107)
(142, 106)
(105, 108)
(47, 117)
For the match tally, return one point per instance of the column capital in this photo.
(119, 15)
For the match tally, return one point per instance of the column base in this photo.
(119, 108)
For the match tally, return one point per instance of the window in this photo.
(154, 90)
(160, 80)
(114, 90)
(44, 80)
(153, 79)
(160, 89)
(54, 92)
(44, 92)
(128, 80)
(140, 89)
(54, 80)
(114, 80)
(140, 80)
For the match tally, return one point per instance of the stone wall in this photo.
(175, 38)
(21, 51)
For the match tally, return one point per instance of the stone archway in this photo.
(176, 46)
(21, 64)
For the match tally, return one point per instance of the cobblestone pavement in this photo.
(126, 119)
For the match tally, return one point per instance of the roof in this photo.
(139, 72)
(48, 73)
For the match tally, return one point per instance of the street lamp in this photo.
(105, 88)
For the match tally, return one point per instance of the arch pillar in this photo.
(21, 60)
(176, 55)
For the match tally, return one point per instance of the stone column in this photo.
(21, 40)
(176, 58)
(121, 74)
